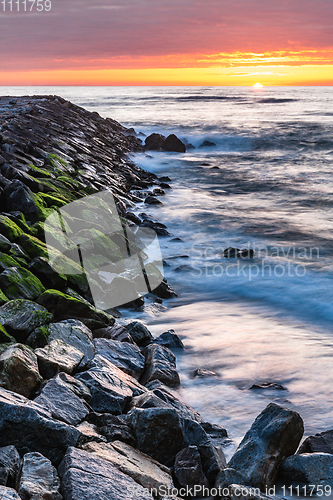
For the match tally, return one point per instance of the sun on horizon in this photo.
(258, 85)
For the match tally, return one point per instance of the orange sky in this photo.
(174, 42)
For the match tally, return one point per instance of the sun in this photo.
(258, 86)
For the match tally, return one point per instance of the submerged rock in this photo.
(207, 144)
(19, 370)
(203, 373)
(172, 143)
(170, 339)
(38, 479)
(236, 253)
(154, 141)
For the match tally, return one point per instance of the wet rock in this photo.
(125, 356)
(41, 268)
(227, 476)
(164, 291)
(164, 185)
(38, 338)
(115, 332)
(29, 427)
(183, 409)
(74, 333)
(112, 428)
(307, 469)
(21, 317)
(203, 373)
(139, 333)
(89, 432)
(170, 339)
(19, 197)
(133, 218)
(84, 475)
(38, 479)
(19, 370)
(207, 144)
(236, 253)
(152, 200)
(5, 338)
(214, 430)
(58, 357)
(164, 178)
(321, 442)
(160, 365)
(76, 386)
(62, 403)
(9, 465)
(8, 494)
(269, 385)
(154, 142)
(140, 467)
(274, 435)
(188, 469)
(5, 244)
(19, 283)
(172, 143)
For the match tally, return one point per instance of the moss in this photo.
(5, 338)
(56, 158)
(52, 200)
(9, 228)
(20, 283)
(70, 182)
(3, 299)
(59, 189)
(33, 247)
(7, 261)
(39, 172)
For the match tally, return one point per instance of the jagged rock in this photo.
(5, 244)
(125, 356)
(274, 435)
(139, 333)
(170, 339)
(188, 469)
(84, 475)
(9, 464)
(160, 365)
(62, 402)
(8, 494)
(3, 298)
(236, 253)
(38, 479)
(154, 141)
(214, 430)
(203, 373)
(115, 332)
(41, 268)
(172, 143)
(18, 252)
(19, 283)
(19, 197)
(152, 200)
(21, 317)
(9, 229)
(58, 357)
(321, 442)
(140, 467)
(5, 338)
(164, 291)
(184, 410)
(207, 144)
(29, 427)
(75, 333)
(112, 428)
(76, 386)
(268, 386)
(19, 370)
(38, 338)
(226, 477)
(131, 217)
(89, 432)
(307, 469)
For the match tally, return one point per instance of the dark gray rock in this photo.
(274, 435)
(86, 476)
(207, 144)
(154, 141)
(5, 244)
(76, 386)
(188, 469)
(139, 333)
(160, 365)
(8, 494)
(226, 477)
(203, 373)
(164, 291)
(170, 339)
(184, 410)
(29, 427)
(214, 430)
(9, 465)
(19, 197)
(269, 386)
(321, 442)
(19, 283)
(112, 428)
(172, 143)
(115, 332)
(38, 479)
(307, 469)
(76, 334)
(58, 357)
(236, 253)
(41, 268)
(125, 356)
(152, 200)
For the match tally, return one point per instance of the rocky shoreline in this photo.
(87, 407)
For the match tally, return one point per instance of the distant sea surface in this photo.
(266, 185)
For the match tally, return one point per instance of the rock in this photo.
(18, 252)
(188, 469)
(203, 373)
(74, 333)
(214, 430)
(76, 386)
(58, 357)
(5, 338)
(41, 268)
(140, 467)
(115, 332)
(158, 432)
(133, 218)
(64, 306)
(9, 229)
(154, 142)
(170, 339)
(3, 298)
(5, 244)
(226, 477)
(9, 464)
(89, 432)
(269, 385)
(164, 291)
(19, 283)
(125, 356)
(236, 253)
(29, 427)
(274, 435)
(160, 365)
(38, 479)
(21, 317)
(19, 197)
(19, 370)
(322, 443)
(139, 333)
(62, 403)
(8, 494)
(87, 476)
(38, 338)
(172, 143)
(183, 409)
(307, 469)
(152, 200)
(207, 144)
(112, 428)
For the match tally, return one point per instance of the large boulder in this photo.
(42, 268)
(170, 339)
(172, 143)
(274, 435)
(9, 465)
(20, 198)
(19, 370)
(115, 332)
(160, 365)
(321, 442)
(154, 141)
(87, 476)
(8, 494)
(9, 228)
(38, 479)
(62, 403)
(188, 469)
(139, 333)
(19, 283)
(113, 428)
(307, 470)
(142, 468)
(58, 357)
(29, 427)
(184, 410)
(76, 334)
(76, 386)
(21, 317)
(122, 354)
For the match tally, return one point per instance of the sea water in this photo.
(266, 185)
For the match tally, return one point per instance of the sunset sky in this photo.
(168, 42)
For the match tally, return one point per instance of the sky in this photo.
(166, 42)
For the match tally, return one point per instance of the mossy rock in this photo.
(33, 246)
(43, 211)
(42, 268)
(39, 337)
(5, 244)
(3, 298)
(20, 283)
(5, 338)
(102, 244)
(52, 201)
(20, 220)
(6, 261)
(39, 173)
(9, 229)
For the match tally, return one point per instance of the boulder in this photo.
(58, 357)
(20, 198)
(62, 403)
(170, 339)
(207, 144)
(139, 333)
(19, 370)
(152, 200)
(87, 476)
(164, 291)
(274, 435)
(112, 428)
(29, 427)
(188, 469)
(19, 283)
(74, 333)
(38, 479)
(38, 338)
(236, 253)
(8, 494)
(41, 268)
(307, 469)
(227, 476)
(160, 365)
(172, 143)
(203, 373)
(9, 229)
(322, 443)
(5, 244)
(76, 386)
(89, 432)
(9, 465)
(154, 141)
(115, 332)
(125, 356)
(21, 317)
(183, 409)
(140, 467)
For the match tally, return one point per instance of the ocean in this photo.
(266, 185)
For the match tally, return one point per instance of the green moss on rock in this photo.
(9, 229)
(53, 201)
(39, 172)
(32, 246)
(5, 244)
(5, 338)
(6, 261)
(20, 283)
(3, 298)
